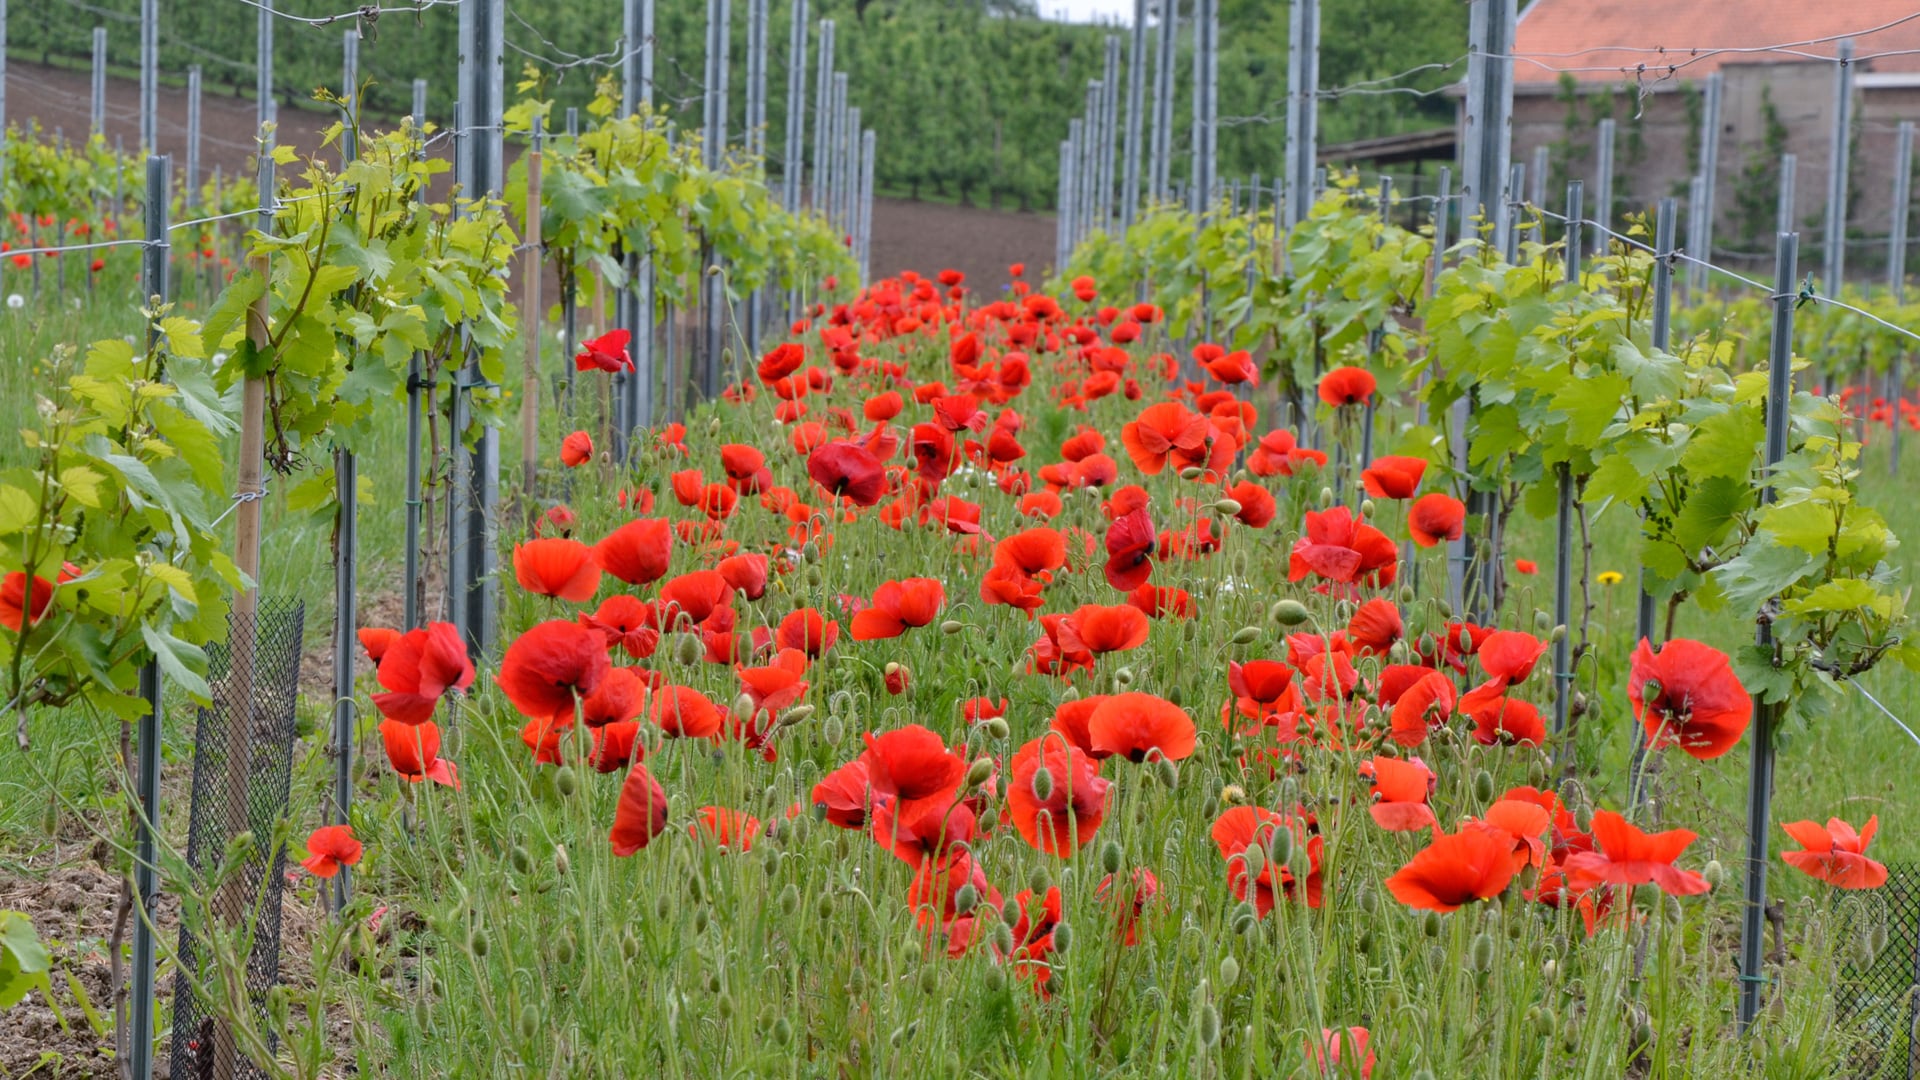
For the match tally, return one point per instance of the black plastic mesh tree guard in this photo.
(221, 811)
(1877, 998)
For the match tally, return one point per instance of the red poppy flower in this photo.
(845, 794)
(1145, 313)
(1393, 477)
(683, 712)
(1263, 690)
(608, 352)
(557, 567)
(615, 746)
(747, 574)
(1334, 1042)
(1036, 553)
(1346, 386)
(1131, 901)
(1242, 827)
(938, 881)
(414, 752)
(697, 594)
(1375, 626)
(1508, 656)
(1098, 629)
(329, 848)
(1630, 857)
(576, 449)
(1233, 368)
(848, 470)
(641, 813)
(376, 640)
(784, 360)
(725, 827)
(777, 685)
(1525, 566)
(1400, 791)
(16, 608)
(1502, 719)
(1074, 802)
(548, 665)
(1131, 543)
(418, 669)
(913, 764)
(1343, 549)
(1161, 433)
(628, 623)
(1423, 706)
(1134, 725)
(1453, 870)
(898, 606)
(1257, 506)
(1687, 695)
(1434, 517)
(1005, 585)
(1523, 820)
(1159, 601)
(617, 699)
(1836, 854)
(918, 830)
(808, 631)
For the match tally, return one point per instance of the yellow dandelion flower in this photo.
(1609, 577)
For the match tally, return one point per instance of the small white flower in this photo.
(16, 301)
(219, 358)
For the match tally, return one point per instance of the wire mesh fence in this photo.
(242, 768)
(1877, 994)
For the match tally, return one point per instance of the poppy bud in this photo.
(1715, 874)
(743, 708)
(1206, 1021)
(477, 943)
(663, 907)
(1369, 901)
(996, 728)
(1288, 612)
(929, 979)
(1549, 970)
(1406, 594)
(996, 979)
(1003, 937)
(979, 771)
(1227, 507)
(561, 864)
(1192, 472)
(1229, 972)
(1483, 786)
(1280, 846)
(521, 861)
(700, 920)
(1253, 860)
(989, 819)
(1062, 937)
(782, 1030)
(1541, 1020)
(1111, 856)
(563, 949)
(1122, 677)
(1245, 917)
(687, 649)
(1480, 953)
(565, 781)
(629, 944)
(724, 1007)
(1039, 881)
(964, 898)
(798, 714)
(1366, 509)
(1246, 635)
(1326, 497)
(1043, 783)
(1430, 925)
(1165, 771)
(811, 553)
(529, 1022)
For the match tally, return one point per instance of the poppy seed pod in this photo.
(1288, 612)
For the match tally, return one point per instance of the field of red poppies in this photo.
(1042, 681)
(985, 687)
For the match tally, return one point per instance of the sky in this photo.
(1086, 10)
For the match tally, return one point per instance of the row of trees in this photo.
(969, 100)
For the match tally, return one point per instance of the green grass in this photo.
(514, 942)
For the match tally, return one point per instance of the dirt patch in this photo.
(930, 237)
(384, 607)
